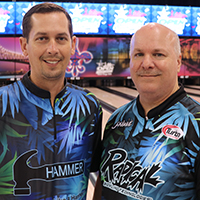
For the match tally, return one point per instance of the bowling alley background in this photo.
(103, 33)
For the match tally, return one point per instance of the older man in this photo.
(151, 145)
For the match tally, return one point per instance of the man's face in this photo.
(154, 63)
(49, 47)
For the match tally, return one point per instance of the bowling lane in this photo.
(195, 98)
(106, 116)
(192, 90)
(125, 90)
(194, 93)
(90, 190)
(108, 97)
(193, 86)
(133, 92)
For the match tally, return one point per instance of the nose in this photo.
(147, 62)
(52, 47)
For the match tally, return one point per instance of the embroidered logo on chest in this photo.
(122, 124)
(172, 131)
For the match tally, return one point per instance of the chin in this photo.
(148, 87)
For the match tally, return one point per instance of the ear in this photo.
(179, 63)
(23, 44)
(73, 45)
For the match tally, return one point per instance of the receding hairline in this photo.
(174, 38)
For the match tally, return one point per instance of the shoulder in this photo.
(9, 89)
(192, 105)
(124, 110)
(126, 107)
(81, 95)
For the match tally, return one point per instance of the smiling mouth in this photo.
(150, 75)
(51, 61)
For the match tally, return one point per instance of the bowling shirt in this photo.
(154, 157)
(47, 153)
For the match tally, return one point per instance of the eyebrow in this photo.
(154, 50)
(136, 49)
(59, 34)
(157, 50)
(40, 33)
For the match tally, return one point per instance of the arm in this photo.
(97, 189)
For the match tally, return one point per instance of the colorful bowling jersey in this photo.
(47, 153)
(154, 157)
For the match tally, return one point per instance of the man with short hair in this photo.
(151, 145)
(50, 130)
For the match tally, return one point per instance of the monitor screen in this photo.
(190, 48)
(108, 19)
(126, 19)
(177, 18)
(7, 18)
(100, 57)
(21, 9)
(12, 62)
(195, 21)
(88, 18)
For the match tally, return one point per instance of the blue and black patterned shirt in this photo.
(154, 157)
(47, 153)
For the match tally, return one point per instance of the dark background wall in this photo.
(150, 2)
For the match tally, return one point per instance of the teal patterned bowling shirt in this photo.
(154, 157)
(47, 153)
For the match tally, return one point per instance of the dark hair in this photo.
(43, 8)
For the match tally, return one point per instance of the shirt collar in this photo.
(178, 95)
(38, 91)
